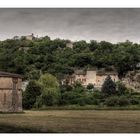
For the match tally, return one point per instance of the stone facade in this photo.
(69, 45)
(10, 92)
(94, 76)
(30, 37)
(132, 80)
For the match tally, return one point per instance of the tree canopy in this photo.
(30, 58)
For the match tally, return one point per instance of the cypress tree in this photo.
(109, 87)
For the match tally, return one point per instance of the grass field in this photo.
(72, 121)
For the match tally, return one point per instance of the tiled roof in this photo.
(7, 74)
(104, 72)
(80, 72)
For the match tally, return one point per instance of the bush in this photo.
(121, 89)
(80, 101)
(64, 88)
(69, 97)
(112, 101)
(90, 86)
(123, 101)
(92, 98)
(48, 98)
(134, 101)
(117, 101)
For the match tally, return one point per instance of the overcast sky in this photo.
(114, 25)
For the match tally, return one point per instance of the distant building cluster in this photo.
(69, 45)
(30, 37)
(94, 76)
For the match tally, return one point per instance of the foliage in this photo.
(117, 101)
(134, 101)
(50, 91)
(44, 54)
(48, 98)
(90, 86)
(32, 59)
(109, 87)
(123, 101)
(121, 89)
(33, 90)
(48, 81)
(112, 101)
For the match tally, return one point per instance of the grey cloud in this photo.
(113, 25)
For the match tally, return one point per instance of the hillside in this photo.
(59, 57)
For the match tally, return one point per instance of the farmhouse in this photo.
(94, 76)
(10, 92)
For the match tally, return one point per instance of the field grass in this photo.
(72, 121)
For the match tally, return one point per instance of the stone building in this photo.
(10, 92)
(102, 74)
(69, 45)
(94, 76)
(30, 37)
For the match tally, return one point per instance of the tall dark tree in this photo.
(109, 87)
(33, 90)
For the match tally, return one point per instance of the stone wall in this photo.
(100, 79)
(132, 80)
(10, 95)
(91, 77)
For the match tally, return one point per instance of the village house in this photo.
(69, 45)
(10, 92)
(94, 76)
(30, 37)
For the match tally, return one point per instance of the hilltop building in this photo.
(94, 76)
(30, 37)
(69, 45)
(10, 92)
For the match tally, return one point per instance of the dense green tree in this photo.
(121, 88)
(33, 90)
(109, 87)
(90, 86)
(24, 57)
(50, 91)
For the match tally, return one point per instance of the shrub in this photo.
(123, 101)
(121, 89)
(69, 97)
(112, 101)
(90, 86)
(48, 98)
(77, 87)
(92, 98)
(134, 101)
(80, 101)
(65, 88)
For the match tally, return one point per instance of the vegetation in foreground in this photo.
(34, 58)
(46, 92)
(72, 121)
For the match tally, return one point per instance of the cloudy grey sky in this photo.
(112, 25)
